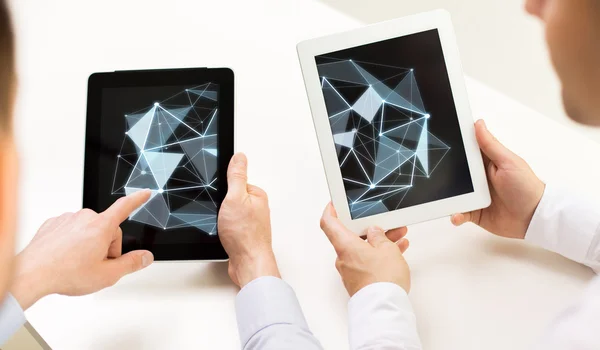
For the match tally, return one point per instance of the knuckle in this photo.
(48, 222)
(229, 201)
(260, 192)
(339, 265)
(343, 253)
(131, 262)
(323, 223)
(231, 271)
(113, 280)
(102, 220)
(386, 242)
(84, 211)
(391, 248)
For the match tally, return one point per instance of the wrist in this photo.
(245, 269)
(538, 193)
(28, 286)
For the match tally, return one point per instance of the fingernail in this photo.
(147, 259)
(239, 158)
(454, 219)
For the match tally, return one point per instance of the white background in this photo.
(470, 290)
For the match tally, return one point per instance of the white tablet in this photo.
(393, 121)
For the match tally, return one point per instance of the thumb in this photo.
(237, 175)
(490, 146)
(376, 236)
(130, 263)
(462, 218)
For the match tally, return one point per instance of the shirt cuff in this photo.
(264, 302)
(12, 318)
(379, 291)
(564, 223)
(381, 316)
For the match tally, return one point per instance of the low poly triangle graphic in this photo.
(162, 165)
(345, 139)
(139, 132)
(368, 104)
(409, 90)
(390, 156)
(173, 152)
(422, 149)
(204, 162)
(333, 100)
(386, 150)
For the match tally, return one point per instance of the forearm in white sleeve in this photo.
(381, 318)
(270, 318)
(568, 225)
(11, 318)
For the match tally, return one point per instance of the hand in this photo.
(536, 7)
(245, 226)
(78, 254)
(516, 191)
(361, 263)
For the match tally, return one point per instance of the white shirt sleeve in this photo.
(382, 318)
(12, 318)
(568, 225)
(269, 317)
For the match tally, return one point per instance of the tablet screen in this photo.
(167, 141)
(394, 124)
(170, 131)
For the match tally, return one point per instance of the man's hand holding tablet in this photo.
(361, 263)
(79, 253)
(245, 227)
(515, 189)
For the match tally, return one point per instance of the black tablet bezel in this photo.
(212, 250)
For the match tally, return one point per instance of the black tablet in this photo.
(170, 131)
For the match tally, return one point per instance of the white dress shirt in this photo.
(381, 316)
(570, 226)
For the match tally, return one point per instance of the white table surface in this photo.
(470, 290)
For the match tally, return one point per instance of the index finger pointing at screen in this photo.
(124, 206)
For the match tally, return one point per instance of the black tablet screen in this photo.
(394, 124)
(167, 140)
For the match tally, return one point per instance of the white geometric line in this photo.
(171, 114)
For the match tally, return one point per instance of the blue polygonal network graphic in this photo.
(380, 130)
(175, 142)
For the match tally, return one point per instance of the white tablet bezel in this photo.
(440, 20)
